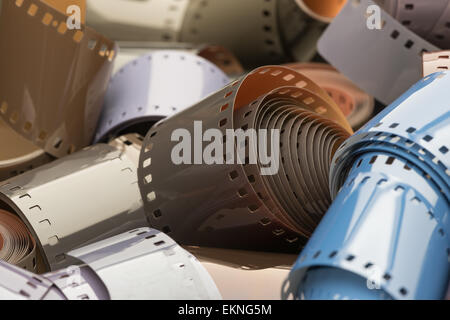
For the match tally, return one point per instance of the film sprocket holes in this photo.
(58, 114)
(218, 55)
(435, 62)
(391, 187)
(391, 62)
(220, 205)
(273, 30)
(139, 264)
(154, 86)
(84, 197)
(356, 105)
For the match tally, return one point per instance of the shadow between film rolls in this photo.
(390, 182)
(150, 264)
(274, 31)
(383, 62)
(233, 205)
(56, 113)
(356, 105)
(153, 87)
(85, 197)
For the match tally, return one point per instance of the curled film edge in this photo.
(393, 62)
(85, 197)
(80, 64)
(151, 266)
(223, 203)
(356, 105)
(155, 86)
(392, 186)
(269, 27)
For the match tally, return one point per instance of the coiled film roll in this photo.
(218, 55)
(221, 203)
(394, 195)
(356, 105)
(150, 265)
(245, 275)
(274, 30)
(155, 86)
(17, 246)
(87, 196)
(57, 113)
(384, 62)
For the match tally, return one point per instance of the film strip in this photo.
(130, 20)
(435, 61)
(356, 105)
(79, 62)
(393, 177)
(155, 86)
(428, 20)
(85, 197)
(218, 55)
(274, 30)
(19, 284)
(150, 264)
(18, 155)
(256, 275)
(384, 62)
(221, 203)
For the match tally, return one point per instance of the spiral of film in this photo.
(235, 190)
(273, 30)
(87, 196)
(391, 186)
(138, 264)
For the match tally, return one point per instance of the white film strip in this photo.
(85, 197)
(383, 62)
(155, 86)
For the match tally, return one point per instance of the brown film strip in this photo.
(57, 113)
(231, 205)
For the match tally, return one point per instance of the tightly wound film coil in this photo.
(273, 30)
(356, 105)
(154, 86)
(221, 204)
(383, 62)
(58, 114)
(392, 185)
(150, 264)
(84, 197)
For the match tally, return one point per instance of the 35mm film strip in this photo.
(391, 62)
(219, 204)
